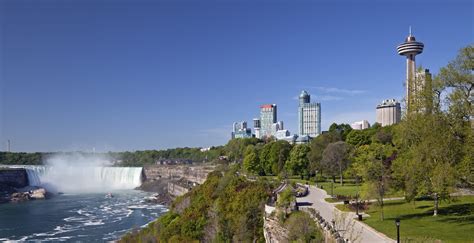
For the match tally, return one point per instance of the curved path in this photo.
(351, 229)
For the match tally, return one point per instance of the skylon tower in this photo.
(410, 48)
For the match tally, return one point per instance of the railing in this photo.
(329, 229)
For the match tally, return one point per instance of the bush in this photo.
(228, 203)
(301, 227)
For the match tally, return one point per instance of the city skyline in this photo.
(118, 78)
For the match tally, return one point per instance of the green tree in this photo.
(317, 147)
(235, 148)
(298, 161)
(429, 152)
(336, 159)
(383, 135)
(302, 228)
(251, 161)
(279, 152)
(265, 162)
(465, 168)
(342, 129)
(286, 197)
(373, 163)
(360, 137)
(273, 156)
(459, 76)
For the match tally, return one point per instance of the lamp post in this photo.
(332, 188)
(397, 222)
(316, 178)
(357, 196)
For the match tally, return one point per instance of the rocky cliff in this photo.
(14, 186)
(274, 232)
(197, 174)
(171, 181)
(13, 177)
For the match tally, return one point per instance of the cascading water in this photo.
(34, 173)
(84, 211)
(84, 178)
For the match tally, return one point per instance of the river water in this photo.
(81, 212)
(77, 217)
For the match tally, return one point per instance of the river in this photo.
(80, 215)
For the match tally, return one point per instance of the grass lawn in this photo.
(341, 207)
(454, 223)
(348, 189)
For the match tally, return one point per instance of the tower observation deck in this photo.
(410, 48)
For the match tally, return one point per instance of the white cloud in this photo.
(332, 93)
(328, 97)
(318, 97)
(339, 90)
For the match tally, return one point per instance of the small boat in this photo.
(109, 195)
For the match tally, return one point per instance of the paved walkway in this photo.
(350, 228)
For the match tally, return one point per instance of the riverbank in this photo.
(160, 189)
(168, 182)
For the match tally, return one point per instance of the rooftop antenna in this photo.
(409, 30)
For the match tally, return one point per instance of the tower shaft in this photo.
(411, 68)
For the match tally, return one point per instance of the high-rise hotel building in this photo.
(388, 113)
(268, 117)
(309, 116)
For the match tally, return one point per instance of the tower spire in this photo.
(409, 30)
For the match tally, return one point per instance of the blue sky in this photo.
(127, 75)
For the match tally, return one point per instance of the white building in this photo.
(257, 127)
(360, 125)
(282, 134)
(388, 112)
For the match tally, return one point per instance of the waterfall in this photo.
(84, 178)
(34, 173)
(120, 177)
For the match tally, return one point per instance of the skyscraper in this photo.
(410, 48)
(240, 130)
(256, 127)
(268, 116)
(309, 116)
(422, 91)
(388, 112)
